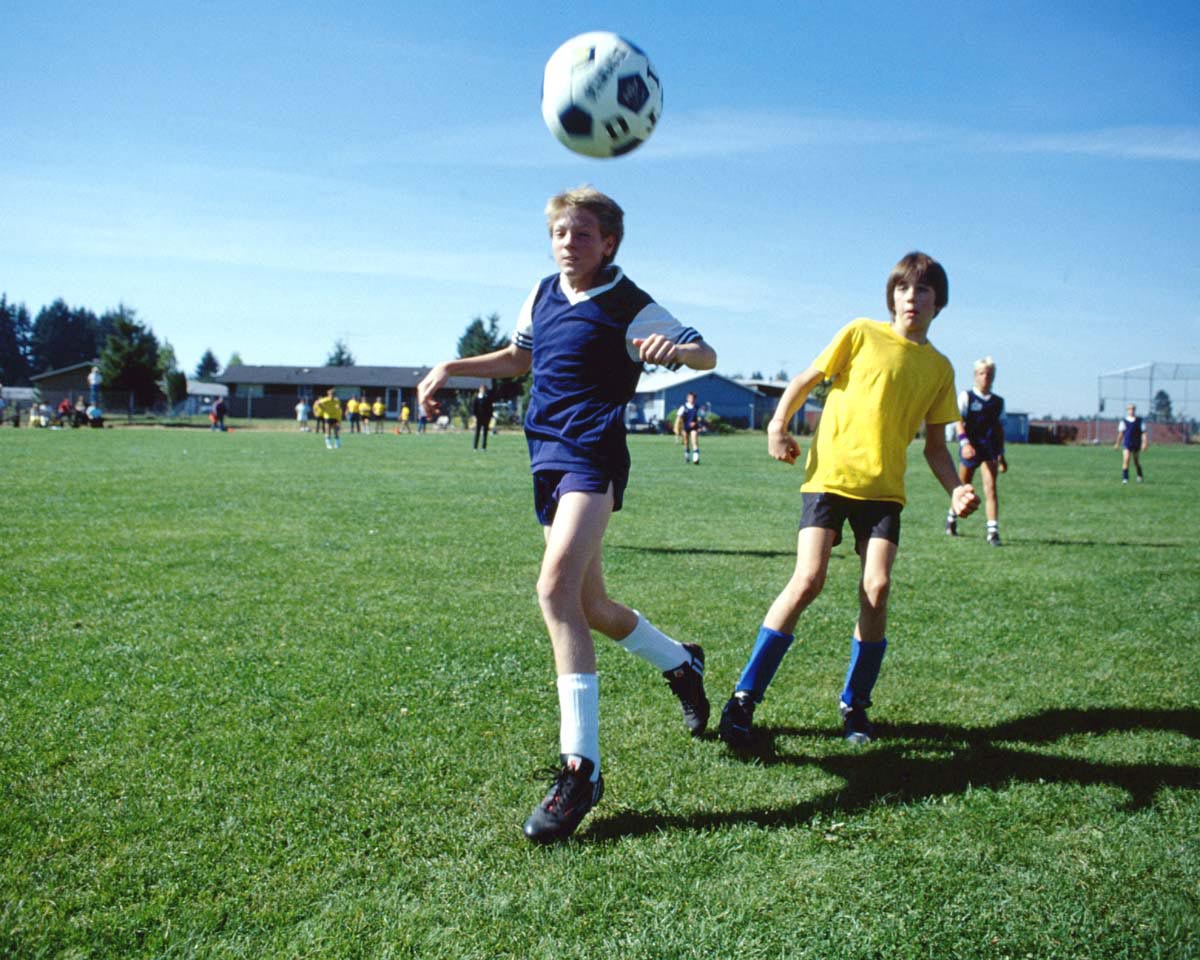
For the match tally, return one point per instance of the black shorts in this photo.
(550, 485)
(868, 518)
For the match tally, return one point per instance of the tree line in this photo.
(131, 358)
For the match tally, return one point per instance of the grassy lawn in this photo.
(259, 699)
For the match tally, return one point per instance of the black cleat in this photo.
(993, 539)
(737, 719)
(859, 731)
(571, 796)
(687, 683)
(952, 526)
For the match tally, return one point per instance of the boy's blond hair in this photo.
(604, 208)
(985, 363)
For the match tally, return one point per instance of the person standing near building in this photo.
(94, 380)
(1132, 439)
(302, 415)
(482, 407)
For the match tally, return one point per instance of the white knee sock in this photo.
(579, 717)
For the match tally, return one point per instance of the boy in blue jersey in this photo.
(980, 432)
(887, 380)
(689, 418)
(1132, 439)
(586, 332)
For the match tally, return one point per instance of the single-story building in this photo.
(271, 391)
(662, 392)
(200, 396)
(71, 381)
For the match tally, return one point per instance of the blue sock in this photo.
(764, 660)
(865, 660)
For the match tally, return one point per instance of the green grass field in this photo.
(259, 699)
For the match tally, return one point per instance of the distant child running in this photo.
(689, 419)
(585, 332)
(1132, 439)
(887, 380)
(980, 432)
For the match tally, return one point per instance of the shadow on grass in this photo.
(703, 551)
(1060, 542)
(914, 762)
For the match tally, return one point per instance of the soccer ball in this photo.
(600, 95)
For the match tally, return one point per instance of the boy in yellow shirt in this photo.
(331, 412)
(887, 380)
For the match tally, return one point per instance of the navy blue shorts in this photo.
(550, 485)
(984, 453)
(868, 518)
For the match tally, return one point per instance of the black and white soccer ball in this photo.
(600, 95)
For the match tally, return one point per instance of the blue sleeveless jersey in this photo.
(1132, 429)
(983, 418)
(583, 372)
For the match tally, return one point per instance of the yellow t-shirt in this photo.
(884, 388)
(377, 408)
(330, 408)
(351, 407)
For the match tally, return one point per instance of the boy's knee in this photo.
(806, 587)
(875, 589)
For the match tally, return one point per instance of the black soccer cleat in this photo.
(571, 796)
(952, 526)
(858, 730)
(737, 719)
(687, 683)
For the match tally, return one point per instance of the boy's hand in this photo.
(967, 449)
(782, 445)
(655, 349)
(427, 389)
(1002, 464)
(964, 501)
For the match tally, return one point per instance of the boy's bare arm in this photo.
(963, 498)
(510, 361)
(780, 443)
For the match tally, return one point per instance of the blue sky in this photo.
(267, 178)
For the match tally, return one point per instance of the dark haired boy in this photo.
(887, 380)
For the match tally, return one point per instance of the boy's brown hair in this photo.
(916, 268)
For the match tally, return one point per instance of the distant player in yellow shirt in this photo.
(887, 380)
(330, 410)
(377, 414)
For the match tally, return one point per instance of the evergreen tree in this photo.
(341, 356)
(208, 367)
(63, 337)
(1162, 407)
(479, 339)
(235, 360)
(15, 329)
(130, 360)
